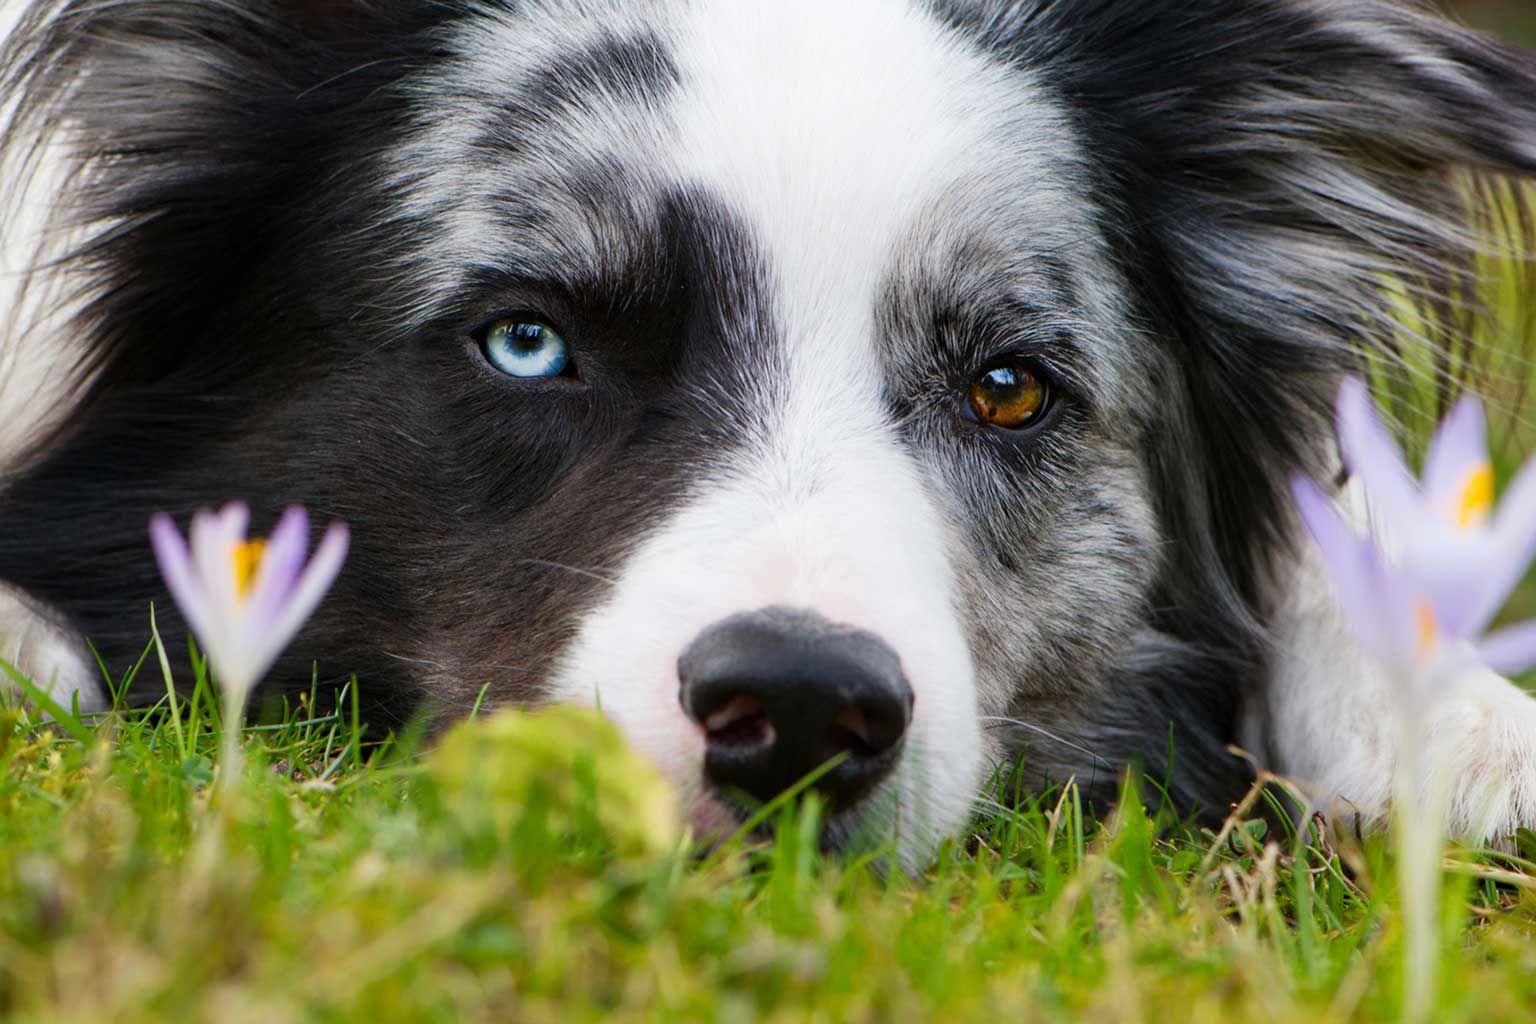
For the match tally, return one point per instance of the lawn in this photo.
(527, 870)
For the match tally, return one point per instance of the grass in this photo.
(524, 871)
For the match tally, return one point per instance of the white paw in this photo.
(1329, 721)
(1482, 751)
(47, 655)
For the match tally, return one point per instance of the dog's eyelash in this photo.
(1047, 340)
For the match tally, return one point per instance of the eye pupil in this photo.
(1008, 396)
(526, 348)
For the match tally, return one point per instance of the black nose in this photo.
(780, 692)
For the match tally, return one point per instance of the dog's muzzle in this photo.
(781, 692)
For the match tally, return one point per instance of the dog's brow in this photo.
(972, 309)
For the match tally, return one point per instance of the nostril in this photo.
(742, 722)
(855, 730)
(850, 729)
(870, 729)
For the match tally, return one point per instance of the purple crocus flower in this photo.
(245, 599)
(1443, 559)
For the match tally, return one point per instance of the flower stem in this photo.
(1420, 813)
(231, 749)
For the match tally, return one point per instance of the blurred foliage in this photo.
(1515, 20)
(1509, 383)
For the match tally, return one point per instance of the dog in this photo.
(912, 384)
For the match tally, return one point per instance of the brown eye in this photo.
(1008, 396)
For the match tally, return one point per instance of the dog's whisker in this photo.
(1002, 721)
(578, 570)
(437, 666)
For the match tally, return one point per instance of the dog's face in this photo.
(839, 337)
(789, 315)
(795, 382)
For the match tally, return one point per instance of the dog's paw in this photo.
(47, 655)
(1328, 721)
(1481, 753)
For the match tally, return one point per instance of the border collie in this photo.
(911, 380)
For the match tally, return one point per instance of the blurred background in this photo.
(1515, 20)
(1513, 388)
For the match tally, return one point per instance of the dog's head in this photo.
(896, 384)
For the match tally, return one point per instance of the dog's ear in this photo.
(1285, 175)
(181, 126)
(1286, 157)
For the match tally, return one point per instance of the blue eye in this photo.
(526, 348)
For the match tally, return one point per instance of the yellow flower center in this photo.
(1429, 628)
(247, 558)
(1475, 499)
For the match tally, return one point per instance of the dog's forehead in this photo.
(842, 136)
(833, 128)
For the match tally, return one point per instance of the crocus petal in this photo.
(1457, 572)
(1510, 651)
(232, 524)
(215, 535)
(214, 539)
(1514, 535)
(206, 537)
(306, 594)
(1370, 453)
(1459, 449)
(180, 575)
(280, 566)
(234, 520)
(1380, 615)
(1322, 518)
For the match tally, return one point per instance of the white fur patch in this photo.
(35, 360)
(53, 658)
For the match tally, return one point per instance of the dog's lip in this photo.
(713, 820)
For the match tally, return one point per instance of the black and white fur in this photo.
(782, 237)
